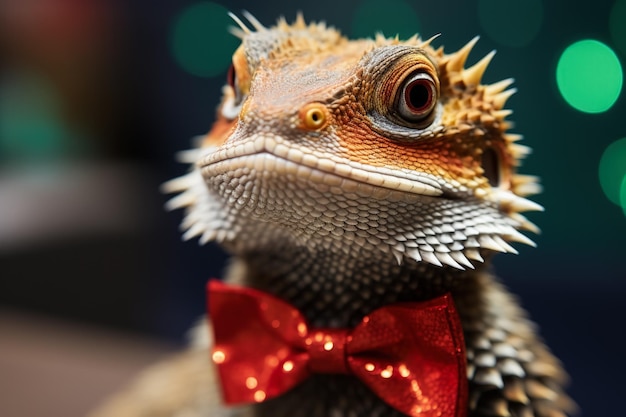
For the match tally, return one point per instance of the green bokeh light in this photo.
(622, 195)
(617, 24)
(31, 125)
(200, 41)
(391, 17)
(512, 22)
(612, 170)
(589, 76)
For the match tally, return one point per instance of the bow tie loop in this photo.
(411, 355)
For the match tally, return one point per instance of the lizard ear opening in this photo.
(490, 163)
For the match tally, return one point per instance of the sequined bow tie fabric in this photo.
(411, 355)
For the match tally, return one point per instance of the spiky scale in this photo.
(473, 74)
(494, 408)
(510, 367)
(489, 377)
(461, 259)
(446, 259)
(430, 257)
(258, 26)
(514, 391)
(500, 99)
(456, 61)
(485, 359)
(242, 26)
(498, 87)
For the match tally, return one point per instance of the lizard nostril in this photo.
(313, 116)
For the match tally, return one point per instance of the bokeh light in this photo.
(513, 22)
(622, 195)
(200, 41)
(617, 24)
(31, 126)
(392, 17)
(589, 76)
(612, 170)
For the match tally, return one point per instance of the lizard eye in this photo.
(417, 98)
(405, 99)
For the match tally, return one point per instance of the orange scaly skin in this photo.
(347, 175)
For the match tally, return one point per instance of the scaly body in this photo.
(347, 175)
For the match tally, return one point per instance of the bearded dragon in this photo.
(346, 175)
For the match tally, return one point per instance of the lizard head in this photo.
(377, 145)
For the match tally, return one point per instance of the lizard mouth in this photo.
(267, 156)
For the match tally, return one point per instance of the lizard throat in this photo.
(337, 289)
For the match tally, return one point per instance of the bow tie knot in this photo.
(326, 349)
(411, 355)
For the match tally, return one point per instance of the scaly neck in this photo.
(336, 289)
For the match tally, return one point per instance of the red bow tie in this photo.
(411, 355)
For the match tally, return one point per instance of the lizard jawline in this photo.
(323, 173)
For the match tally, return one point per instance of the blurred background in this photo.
(97, 96)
